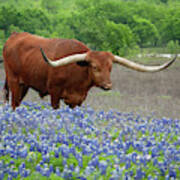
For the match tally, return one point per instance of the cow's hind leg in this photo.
(23, 91)
(6, 91)
(18, 92)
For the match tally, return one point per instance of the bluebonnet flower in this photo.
(58, 173)
(38, 167)
(14, 174)
(56, 153)
(1, 174)
(139, 174)
(103, 166)
(112, 139)
(94, 162)
(23, 152)
(46, 172)
(10, 177)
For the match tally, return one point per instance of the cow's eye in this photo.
(94, 68)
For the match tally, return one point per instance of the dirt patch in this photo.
(141, 93)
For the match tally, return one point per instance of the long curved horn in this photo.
(64, 61)
(142, 68)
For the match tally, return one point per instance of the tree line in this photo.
(119, 26)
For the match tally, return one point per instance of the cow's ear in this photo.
(83, 63)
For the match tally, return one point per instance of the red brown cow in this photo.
(69, 75)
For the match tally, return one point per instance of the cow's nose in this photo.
(107, 86)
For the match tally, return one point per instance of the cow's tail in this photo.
(6, 91)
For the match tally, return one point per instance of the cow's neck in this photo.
(88, 83)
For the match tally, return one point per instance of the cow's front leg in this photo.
(72, 105)
(55, 101)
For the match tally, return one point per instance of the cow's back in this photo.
(16, 49)
(22, 58)
(24, 47)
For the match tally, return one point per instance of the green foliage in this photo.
(89, 27)
(173, 47)
(38, 176)
(51, 7)
(72, 161)
(8, 16)
(63, 27)
(2, 39)
(12, 28)
(145, 31)
(31, 20)
(170, 29)
(57, 162)
(119, 26)
(118, 38)
(2, 34)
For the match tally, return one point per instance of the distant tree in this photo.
(2, 35)
(89, 27)
(51, 6)
(85, 4)
(2, 40)
(63, 25)
(164, 1)
(96, 23)
(12, 28)
(146, 32)
(32, 19)
(96, 31)
(171, 26)
(65, 31)
(173, 46)
(43, 32)
(119, 38)
(8, 16)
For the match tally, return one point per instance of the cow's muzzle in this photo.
(107, 86)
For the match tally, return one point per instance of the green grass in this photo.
(165, 97)
(109, 93)
(157, 50)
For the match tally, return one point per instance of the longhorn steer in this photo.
(69, 75)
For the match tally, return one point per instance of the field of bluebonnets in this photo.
(37, 142)
(96, 141)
